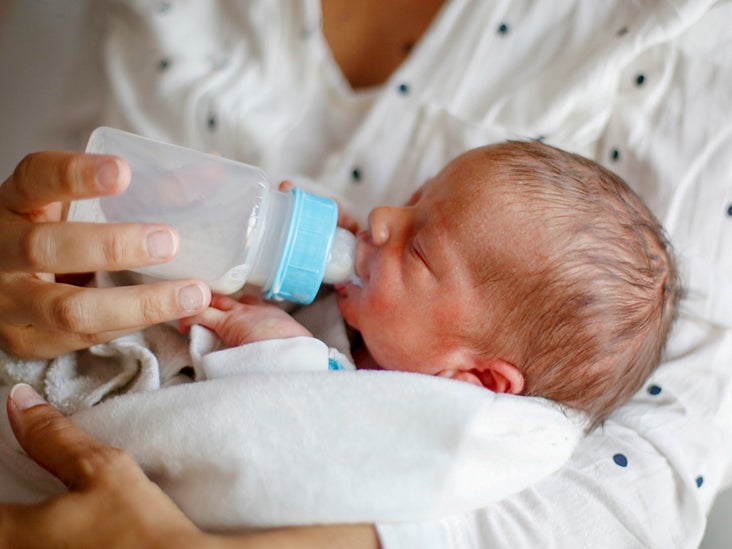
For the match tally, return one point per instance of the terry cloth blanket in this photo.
(263, 440)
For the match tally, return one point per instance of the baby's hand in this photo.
(245, 321)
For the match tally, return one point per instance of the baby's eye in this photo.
(416, 251)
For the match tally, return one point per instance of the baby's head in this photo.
(521, 268)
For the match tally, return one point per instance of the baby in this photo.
(519, 267)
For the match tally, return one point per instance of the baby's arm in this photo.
(245, 321)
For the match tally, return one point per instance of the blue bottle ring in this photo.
(307, 248)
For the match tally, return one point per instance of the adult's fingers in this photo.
(78, 310)
(112, 502)
(31, 342)
(84, 247)
(55, 442)
(46, 177)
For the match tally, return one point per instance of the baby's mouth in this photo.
(342, 287)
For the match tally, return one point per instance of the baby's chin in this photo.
(346, 298)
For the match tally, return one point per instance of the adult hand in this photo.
(40, 315)
(112, 504)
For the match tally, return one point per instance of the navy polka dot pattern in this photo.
(654, 390)
(640, 79)
(729, 210)
(212, 123)
(615, 155)
(404, 88)
(622, 32)
(356, 174)
(164, 64)
(503, 29)
(620, 460)
(699, 481)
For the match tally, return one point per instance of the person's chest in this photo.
(370, 40)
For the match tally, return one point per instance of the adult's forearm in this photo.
(355, 536)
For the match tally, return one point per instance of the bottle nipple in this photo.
(340, 267)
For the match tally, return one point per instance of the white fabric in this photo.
(271, 437)
(566, 70)
(297, 354)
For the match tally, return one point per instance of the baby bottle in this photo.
(234, 227)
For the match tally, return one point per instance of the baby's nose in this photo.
(379, 225)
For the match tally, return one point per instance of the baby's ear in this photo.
(498, 375)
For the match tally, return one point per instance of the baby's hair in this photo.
(592, 320)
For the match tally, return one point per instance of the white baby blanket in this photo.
(303, 448)
(252, 447)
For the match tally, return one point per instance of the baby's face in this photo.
(421, 298)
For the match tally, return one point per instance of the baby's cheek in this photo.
(347, 308)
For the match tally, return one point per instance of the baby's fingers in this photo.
(250, 299)
(210, 318)
(285, 186)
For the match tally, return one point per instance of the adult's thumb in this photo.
(51, 439)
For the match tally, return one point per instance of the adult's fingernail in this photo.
(161, 244)
(107, 173)
(24, 396)
(191, 297)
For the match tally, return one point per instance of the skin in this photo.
(245, 321)
(370, 41)
(418, 262)
(42, 316)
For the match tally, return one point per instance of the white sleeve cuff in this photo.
(295, 354)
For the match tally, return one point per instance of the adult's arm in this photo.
(111, 502)
(42, 317)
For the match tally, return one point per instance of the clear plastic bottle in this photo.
(234, 227)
